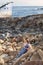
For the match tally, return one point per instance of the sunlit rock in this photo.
(1, 41)
(5, 57)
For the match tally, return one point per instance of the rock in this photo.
(7, 35)
(40, 53)
(14, 40)
(40, 35)
(20, 35)
(1, 61)
(1, 47)
(4, 57)
(5, 64)
(11, 57)
(1, 41)
(4, 47)
(23, 59)
(18, 48)
(35, 57)
(10, 48)
(33, 63)
(10, 63)
(19, 38)
(14, 44)
(14, 49)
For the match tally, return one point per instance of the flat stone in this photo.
(35, 57)
(40, 53)
(5, 57)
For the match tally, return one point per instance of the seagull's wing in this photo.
(5, 4)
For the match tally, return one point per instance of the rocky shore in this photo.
(12, 32)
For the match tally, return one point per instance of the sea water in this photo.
(21, 11)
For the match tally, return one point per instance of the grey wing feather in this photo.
(5, 4)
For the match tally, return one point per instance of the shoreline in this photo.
(9, 16)
(32, 24)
